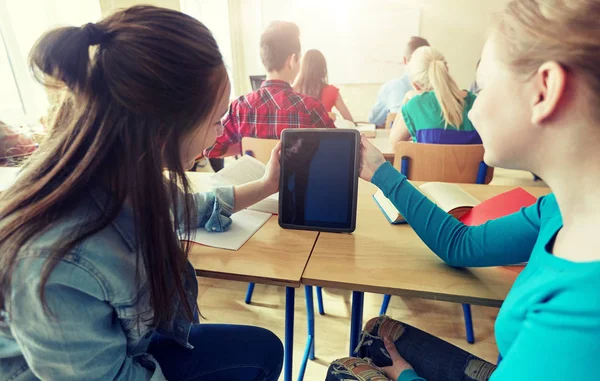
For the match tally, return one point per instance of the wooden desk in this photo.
(382, 142)
(391, 259)
(271, 256)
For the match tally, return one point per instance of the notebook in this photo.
(452, 199)
(245, 224)
(245, 170)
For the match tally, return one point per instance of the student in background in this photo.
(265, 113)
(391, 95)
(95, 282)
(312, 80)
(14, 145)
(537, 111)
(436, 111)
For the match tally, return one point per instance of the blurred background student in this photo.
(392, 93)
(436, 111)
(312, 80)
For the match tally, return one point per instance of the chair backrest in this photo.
(332, 115)
(389, 120)
(256, 81)
(462, 163)
(260, 149)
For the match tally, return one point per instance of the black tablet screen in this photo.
(318, 172)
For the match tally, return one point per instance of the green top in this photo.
(425, 122)
(549, 325)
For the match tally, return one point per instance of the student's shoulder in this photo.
(421, 101)
(309, 102)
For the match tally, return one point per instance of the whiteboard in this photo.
(362, 40)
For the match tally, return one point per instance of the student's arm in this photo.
(341, 106)
(507, 240)
(251, 193)
(83, 340)
(380, 110)
(399, 131)
(227, 143)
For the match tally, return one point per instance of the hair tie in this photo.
(94, 33)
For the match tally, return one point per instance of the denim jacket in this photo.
(99, 327)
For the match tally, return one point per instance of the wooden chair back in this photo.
(260, 149)
(389, 120)
(461, 163)
(332, 115)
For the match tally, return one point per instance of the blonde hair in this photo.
(564, 31)
(428, 69)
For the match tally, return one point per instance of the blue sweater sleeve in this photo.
(409, 375)
(506, 240)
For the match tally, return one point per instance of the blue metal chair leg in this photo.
(356, 320)
(468, 323)
(289, 333)
(320, 301)
(309, 350)
(249, 293)
(310, 314)
(385, 304)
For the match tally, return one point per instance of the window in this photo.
(215, 15)
(21, 24)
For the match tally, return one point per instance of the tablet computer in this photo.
(319, 179)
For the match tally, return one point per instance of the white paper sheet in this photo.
(245, 224)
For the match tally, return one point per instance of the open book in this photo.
(452, 199)
(245, 170)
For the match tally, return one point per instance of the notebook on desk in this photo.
(245, 224)
(452, 199)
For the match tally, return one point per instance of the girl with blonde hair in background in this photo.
(436, 111)
(537, 111)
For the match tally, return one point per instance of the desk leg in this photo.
(356, 322)
(289, 333)
(309, 351)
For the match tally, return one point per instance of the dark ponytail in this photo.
(64, 54)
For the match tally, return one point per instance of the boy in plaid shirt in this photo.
(265, 113)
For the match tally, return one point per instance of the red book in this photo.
(498, 206)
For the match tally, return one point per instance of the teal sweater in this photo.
(549, 325)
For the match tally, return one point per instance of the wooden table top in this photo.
(272, 256)
(391, 259)
(382, 142)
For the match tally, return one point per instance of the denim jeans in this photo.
(431, 357)
(221, 352)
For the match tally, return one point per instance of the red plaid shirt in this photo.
(266, 112)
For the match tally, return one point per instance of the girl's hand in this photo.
(272, 173)
(370, 159)
(399, 364)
